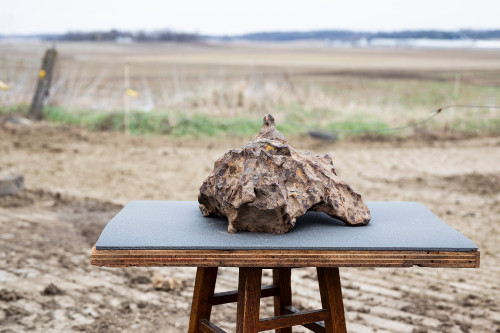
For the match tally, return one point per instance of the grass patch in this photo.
(480, 126)
(14, 109)
(173, 123)
(294, 119)
(176, 124)
(91, 120)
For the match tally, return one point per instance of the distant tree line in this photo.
(346, 35)
(141, 36)
(337, 35)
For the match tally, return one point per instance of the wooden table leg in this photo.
(282, 279)
(249, 286)
(201, 307)
(331, 298)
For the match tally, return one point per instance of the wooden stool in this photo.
(248, 297)
(168, 233)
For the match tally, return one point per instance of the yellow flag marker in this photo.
(132, 92)
(42, 73)
(3, 86)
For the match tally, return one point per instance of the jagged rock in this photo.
(267, 185)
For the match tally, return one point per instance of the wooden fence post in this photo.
(42, 89)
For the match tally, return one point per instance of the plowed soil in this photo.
(77, 180)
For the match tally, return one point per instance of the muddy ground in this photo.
(76, 181)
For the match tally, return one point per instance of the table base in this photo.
(250, 290)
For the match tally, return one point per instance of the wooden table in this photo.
(170, 233)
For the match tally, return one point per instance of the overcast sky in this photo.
(237, 17)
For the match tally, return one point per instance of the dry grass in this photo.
(312, 85)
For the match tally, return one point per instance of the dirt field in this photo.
(76, 181)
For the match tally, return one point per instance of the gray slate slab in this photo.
(180, 225)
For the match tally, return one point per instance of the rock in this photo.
(323, 135)
(9, 295)
(11, 182)
(51, 290)
(16, 312)
(161, 282)
(19, 121)
(140, 279)
(267, 185)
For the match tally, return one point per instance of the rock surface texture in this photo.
(267, 185)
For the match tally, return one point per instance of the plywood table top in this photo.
(175, 233)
